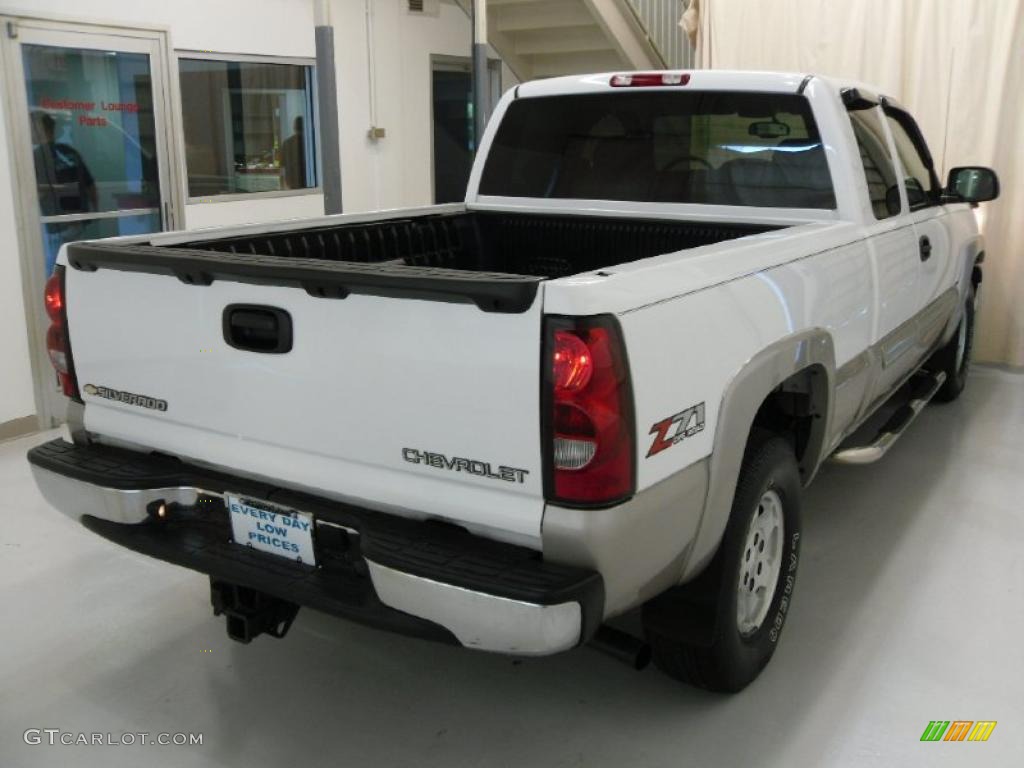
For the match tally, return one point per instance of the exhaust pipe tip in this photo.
(622, 646)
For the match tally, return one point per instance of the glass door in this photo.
(93, 144)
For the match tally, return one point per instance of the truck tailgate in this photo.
(413, 391)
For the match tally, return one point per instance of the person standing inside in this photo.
(293, 156)
(65, 184)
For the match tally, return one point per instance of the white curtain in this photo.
(958, 65)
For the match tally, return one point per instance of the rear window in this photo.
(725, 148)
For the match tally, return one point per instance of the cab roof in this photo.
(699, 79)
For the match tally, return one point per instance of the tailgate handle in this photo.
(255, 328)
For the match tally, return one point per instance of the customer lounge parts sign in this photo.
(86, 108)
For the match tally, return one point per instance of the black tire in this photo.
(945, 359)
(728, 660)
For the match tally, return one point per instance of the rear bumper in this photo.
(418, 578)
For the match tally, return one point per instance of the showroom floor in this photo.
(909, 608)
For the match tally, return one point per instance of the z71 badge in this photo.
(676, 428)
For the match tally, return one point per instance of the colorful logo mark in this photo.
(958, 730)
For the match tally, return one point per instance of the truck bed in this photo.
(511, 243)
(492, 259)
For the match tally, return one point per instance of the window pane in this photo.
(879, 172)
(754, 149)
(248, 126)
(57, 234)
(92, 127)
(917, 177)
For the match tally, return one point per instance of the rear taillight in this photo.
(648, 79)
(58, 345)
(590, 458)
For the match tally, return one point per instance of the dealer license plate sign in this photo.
(269, 528)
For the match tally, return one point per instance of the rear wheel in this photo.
(748, 585)
(954, 359)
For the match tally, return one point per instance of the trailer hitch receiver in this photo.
(251, 613)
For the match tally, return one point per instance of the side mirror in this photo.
(971, 184)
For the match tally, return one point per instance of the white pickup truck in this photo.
(600, 383)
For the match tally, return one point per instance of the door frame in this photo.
(49, 408)
(449, 63)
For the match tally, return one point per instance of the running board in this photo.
(897, 424)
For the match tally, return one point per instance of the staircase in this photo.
(546, 38)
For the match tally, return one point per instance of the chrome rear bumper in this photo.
(473, 615)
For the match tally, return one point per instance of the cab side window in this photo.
(918, 176)
(879, 170)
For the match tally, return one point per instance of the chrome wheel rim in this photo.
(760, 563)
(961, 344)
